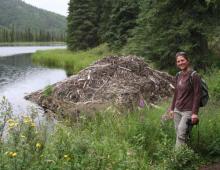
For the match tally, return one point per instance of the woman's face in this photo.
(182, 63)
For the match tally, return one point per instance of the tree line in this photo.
(155, 30)
(28, 35)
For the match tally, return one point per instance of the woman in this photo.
(185, 105)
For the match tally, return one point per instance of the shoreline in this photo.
(6, 44)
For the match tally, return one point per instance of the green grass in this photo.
(72, 62)
(110, 139)
(48, 91)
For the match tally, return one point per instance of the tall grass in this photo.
(109, 140)
(207, 135)
(72, 62)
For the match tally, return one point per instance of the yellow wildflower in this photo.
(38, 145)
(27, 120)
(11, 123)
(12, 154)
(33, 124)
(66, 157)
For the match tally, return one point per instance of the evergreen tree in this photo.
(104, 11)
(82, 24)
(165, 27)
(123, 19)
(28, 35)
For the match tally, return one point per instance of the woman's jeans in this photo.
(183, 126)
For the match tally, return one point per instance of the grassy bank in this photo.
(112, 140)
(72, 62)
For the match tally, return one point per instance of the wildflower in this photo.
(12, 123)
(38, 145)
(33, 125)
(14, 154)
(11, 154)
(66, 157)
(10, 120)
(27, 120)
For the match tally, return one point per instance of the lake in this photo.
(7, 51)
(19, 76)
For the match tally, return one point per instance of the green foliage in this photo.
(72, 62)
(206, 135)
(28, 35)
(93, 22)
(184, 158)
(213, 79)
(169, 26)
(154, 30)
(122, 20)
(109, 140)
(215, 87)
(23, 22)
(48, 91)
(104, 9)
(82, 24)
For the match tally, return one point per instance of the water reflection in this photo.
(18, 77)
(8, 51)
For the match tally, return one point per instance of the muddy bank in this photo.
(119, 81)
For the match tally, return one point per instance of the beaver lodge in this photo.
(119, 81)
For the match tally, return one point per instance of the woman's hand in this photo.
(195, 119)
(171, 114)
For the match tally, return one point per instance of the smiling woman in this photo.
(185, 105)
(56, 6)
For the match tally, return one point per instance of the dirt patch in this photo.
(211, 167)
(121, 81)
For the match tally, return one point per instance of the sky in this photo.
(57, 6)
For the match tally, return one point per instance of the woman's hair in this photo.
(183, 54)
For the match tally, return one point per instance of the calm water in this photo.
(19, 76)
(7, 51)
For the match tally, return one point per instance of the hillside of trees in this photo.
(28, 35)
(155, 30)
(22, 22)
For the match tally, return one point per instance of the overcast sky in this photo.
(57, 6)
